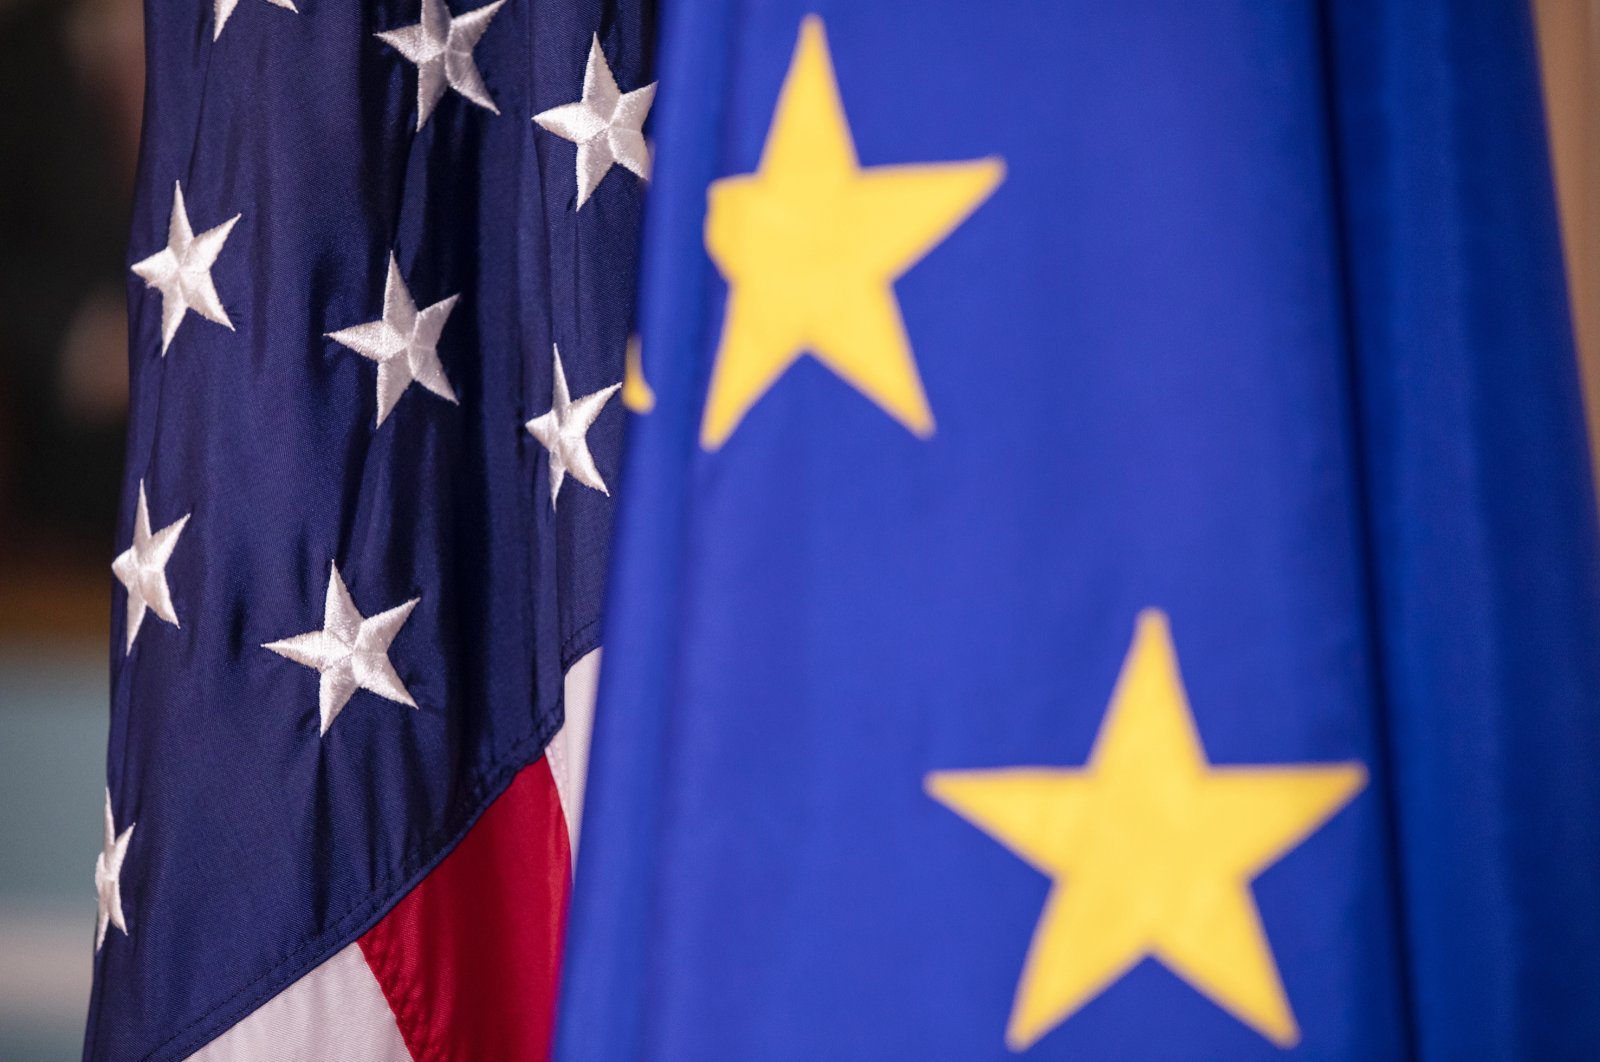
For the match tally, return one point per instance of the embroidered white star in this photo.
(108, 877)
(564, 431)
(403, 342)
(351, 651)
(182, 271)
(142, 568)
(224, 10)
(441, 46)
(605, 124)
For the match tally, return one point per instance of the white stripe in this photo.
(335, 1013)
(569, 749)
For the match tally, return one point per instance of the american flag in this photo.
(382, 271)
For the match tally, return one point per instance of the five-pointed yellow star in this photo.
(1152, 851)
(811, 245)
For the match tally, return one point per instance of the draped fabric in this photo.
(379, 317)
(1251, 396)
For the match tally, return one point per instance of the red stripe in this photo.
(468, 960)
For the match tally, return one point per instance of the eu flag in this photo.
(1110, 569)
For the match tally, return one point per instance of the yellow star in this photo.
(1152, 851)
(811, 245)
(637, 394)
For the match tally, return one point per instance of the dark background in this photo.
(72, 77)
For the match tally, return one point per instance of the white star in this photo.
(605, 125)
(224, 11)
(564, 431)
(351, 651)
(403, 342)
(142, 568)
(182, 271)
(441, 47)
(108, 877)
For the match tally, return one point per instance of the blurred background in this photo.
(72, 77)
(72, 73)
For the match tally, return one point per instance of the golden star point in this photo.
(811, 244)
(1151, 850)
(637, 394)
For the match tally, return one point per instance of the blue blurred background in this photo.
(52, 751)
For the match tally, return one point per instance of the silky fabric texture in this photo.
(469, 959)
(1264, 329)
(261, 847)
(1481, 527)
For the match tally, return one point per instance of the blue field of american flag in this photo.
(382, 285)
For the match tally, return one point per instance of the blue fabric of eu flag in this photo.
(1110, 571)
